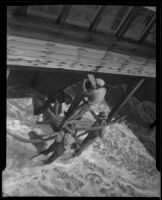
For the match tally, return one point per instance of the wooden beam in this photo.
(41, 54)
(124, 100)
(45, 30)
(64, 13)
(96, 18)
(147, 29)
(153, 8)
(125, 18)
(43, 13)
(133, 11)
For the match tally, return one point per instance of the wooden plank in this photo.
(148, 28)
(26, 44)
(63, 33)
(96, 19)
(124, 20)
(44, 11)
(133, 11)
(43, 54)
(64, 13)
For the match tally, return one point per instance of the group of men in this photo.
(82, 97)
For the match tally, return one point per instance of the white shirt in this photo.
(96, 96)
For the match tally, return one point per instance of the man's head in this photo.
(100, 82)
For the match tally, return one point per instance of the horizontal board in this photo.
(39, 53)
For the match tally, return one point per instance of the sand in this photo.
(121, 165)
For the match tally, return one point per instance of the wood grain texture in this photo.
(43, 29)
(23, 51)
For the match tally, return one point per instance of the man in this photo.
(54, 102)
(58, 146)
(95, 98)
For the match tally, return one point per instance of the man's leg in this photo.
(44, 106)
(46, 151)
(58, 149)
(75, 114)
(85, 144)
(52, 158)
(85, 108)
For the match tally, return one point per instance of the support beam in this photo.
(133, 11)
(122, 23)
(96, 18)
(124, 100)
(43, 54)
(148, 28)
(64, 13)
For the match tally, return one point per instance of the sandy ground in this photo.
(118, 166)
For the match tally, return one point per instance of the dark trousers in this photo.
(77, 113)
(56, 110)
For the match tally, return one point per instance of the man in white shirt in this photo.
(95, 98)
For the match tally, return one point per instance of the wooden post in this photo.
(124, 100)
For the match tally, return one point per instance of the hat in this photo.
(100, 82)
